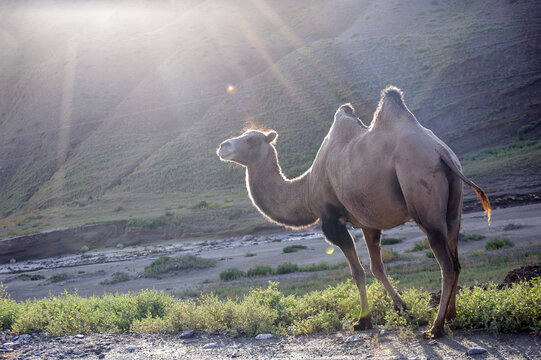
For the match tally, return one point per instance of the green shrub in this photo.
(294, 248)
(150, 222)
(475, 237)
(390, 241)
(286, 268)
(231, 274)
(421, 245)
(529, 127)
(58, 277)
(26, 277)
(165, 264)
(249, 254)
(429, 254)
(116, 278)
(322, 266)
(235, 214)
(260, 270)
(498, 243)
(267, 310)
(513, 309)
(388, 255)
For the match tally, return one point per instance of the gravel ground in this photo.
(366, 345)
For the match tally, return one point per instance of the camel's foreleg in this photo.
(336, 232)
(372, 239)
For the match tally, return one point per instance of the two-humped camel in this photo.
(375, 178)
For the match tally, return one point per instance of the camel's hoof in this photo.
(363, 324)
(433, 333)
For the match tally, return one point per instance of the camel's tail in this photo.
(478, 191)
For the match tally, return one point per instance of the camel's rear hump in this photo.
(392, 110)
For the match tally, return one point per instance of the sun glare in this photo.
(231, 89)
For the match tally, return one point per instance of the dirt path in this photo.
(521, 224)
(370, 345)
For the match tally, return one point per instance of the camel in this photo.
(375, 178)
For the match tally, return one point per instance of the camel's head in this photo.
(247, 148)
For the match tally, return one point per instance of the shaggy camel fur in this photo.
(375, 178)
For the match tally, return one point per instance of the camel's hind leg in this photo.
(336, 232)
(428, 205)
(372, 239)
(454, 214)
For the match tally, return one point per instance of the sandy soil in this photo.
(85, 272)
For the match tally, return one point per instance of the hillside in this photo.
(121, 106)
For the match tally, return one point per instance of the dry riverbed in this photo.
(86, 272)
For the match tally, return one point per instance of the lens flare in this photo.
(231, 89)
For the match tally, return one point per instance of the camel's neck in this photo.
(281, 200)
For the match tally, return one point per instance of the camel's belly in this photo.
(379, 206)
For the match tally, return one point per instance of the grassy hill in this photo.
(115, 111)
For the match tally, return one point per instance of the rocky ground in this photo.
(372, 344)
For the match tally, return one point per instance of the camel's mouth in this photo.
(224, 152)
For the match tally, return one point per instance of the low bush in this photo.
(231, 274)
(116, 278)
(260, 270)
(165, 264)
(58, 277)
(267, 310)
(498, 243)
(390, 241)
(26, 277)
(294, 248)
(421, 245)
(286, 268)
(388, 255)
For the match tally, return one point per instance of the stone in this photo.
(352, 339)
(210, 346)
(77, 352)
(120, 246)
(84, 249)
(79, 336)
(12, 261)
(187, 334)
(130, 348)
(264, 336)
(476, 351)
(400, 357)
(432, 342)
(382, 332)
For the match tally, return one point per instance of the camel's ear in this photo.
(271, 136)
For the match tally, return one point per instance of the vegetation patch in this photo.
(475, 237)
(58, 277)
(267, 310)
(249, 254)
(498, 243)
(26, 277)
(149, 222)
(165, 264)
(232, 274)
(294, 248)
(116, 278)
(390, 241)
(285, 268)
(420, 246)
(388, 255)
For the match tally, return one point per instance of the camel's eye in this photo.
(251, 142)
